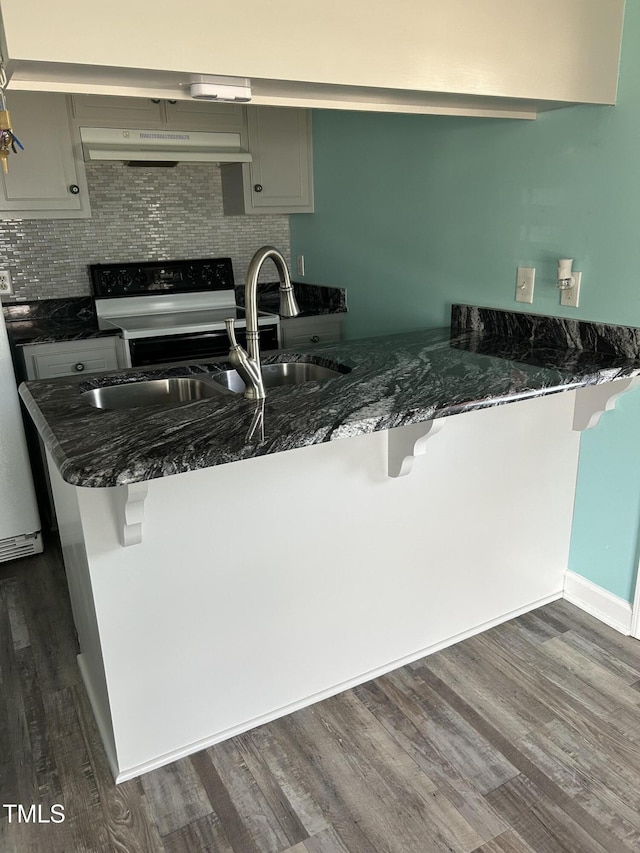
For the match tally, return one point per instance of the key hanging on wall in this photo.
(9, 142)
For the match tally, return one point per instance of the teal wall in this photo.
(414, 213)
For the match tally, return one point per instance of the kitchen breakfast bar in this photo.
(230, 561)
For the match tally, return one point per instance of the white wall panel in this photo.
(262, 585)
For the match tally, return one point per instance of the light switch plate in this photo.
(571, 296)
(525, 280)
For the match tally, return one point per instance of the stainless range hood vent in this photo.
(119, 144)
(159, 164)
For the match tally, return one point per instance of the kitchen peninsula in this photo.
(218, 581)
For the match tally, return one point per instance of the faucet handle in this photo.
(231, 332)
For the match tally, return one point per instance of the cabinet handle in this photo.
(314, 339)
(74, 189)
(257, 188)
(155, 100)
(79, 367)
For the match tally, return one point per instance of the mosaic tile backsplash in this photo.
(141, 214)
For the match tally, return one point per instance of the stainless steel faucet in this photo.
(247, 362)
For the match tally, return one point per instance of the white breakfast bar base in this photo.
(262, 586)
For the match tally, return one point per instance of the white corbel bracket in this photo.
(130, 507)
(405, 443)
(593, 400)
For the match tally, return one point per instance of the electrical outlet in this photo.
(300, 264)
(525, 280)
(6, 288)
(570, 296)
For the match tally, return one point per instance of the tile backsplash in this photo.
(140, 214)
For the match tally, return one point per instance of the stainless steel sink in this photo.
(153, 392)
(178, 389)
(275, 375)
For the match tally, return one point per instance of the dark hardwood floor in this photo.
(525, 738)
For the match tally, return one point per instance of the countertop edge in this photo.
(79, 476)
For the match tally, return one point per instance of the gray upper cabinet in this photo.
(280, 177)
(97, 110)
(106, 111)
(201, 115)
(47, 179)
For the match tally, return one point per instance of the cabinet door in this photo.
(46, 361)
(280, 177)
(104, 110)
(47, 179)
(280, 143)
(201, 115)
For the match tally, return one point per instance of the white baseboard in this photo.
(123, 775)
(598, 602)
(593, 599)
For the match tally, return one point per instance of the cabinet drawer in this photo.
(46, 361)
(310, 330)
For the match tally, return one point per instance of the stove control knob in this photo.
(257, 188)
(314, 339)
(74, 189)
(79, 367)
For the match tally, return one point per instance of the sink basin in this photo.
(275, 375)
(154, 392)
(177, 389)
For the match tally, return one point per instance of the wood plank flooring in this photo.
(524, 738)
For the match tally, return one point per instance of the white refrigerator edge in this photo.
(20, 533)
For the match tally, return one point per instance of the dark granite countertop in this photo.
(395, 380)
(51, 331)
(46, 321)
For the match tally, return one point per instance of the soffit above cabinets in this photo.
(502, 58)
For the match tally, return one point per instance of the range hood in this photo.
(177, 146)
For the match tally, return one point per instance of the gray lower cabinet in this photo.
(280, 177)
(301, 331)
(64, 358)
(61, 358)
(47, 179)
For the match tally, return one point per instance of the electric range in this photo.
(168, 311)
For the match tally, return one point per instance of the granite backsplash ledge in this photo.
(539, 331)
(73, 308)
(50, 320)
(312, 298)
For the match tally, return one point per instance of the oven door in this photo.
(196, 347)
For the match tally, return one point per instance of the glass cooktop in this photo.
(183, 322)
